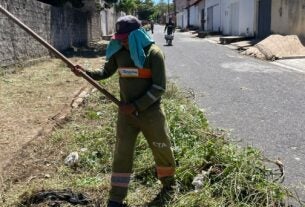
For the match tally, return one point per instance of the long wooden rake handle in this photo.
(61, 56)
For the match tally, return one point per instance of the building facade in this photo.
(239, 17)
(288, 17)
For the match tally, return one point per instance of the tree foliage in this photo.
(127, 6)
(145, 9)
(162, 9)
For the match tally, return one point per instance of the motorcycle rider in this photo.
(170, 27)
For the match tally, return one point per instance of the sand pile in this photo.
(277, 47)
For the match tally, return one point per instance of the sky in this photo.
(165, 1)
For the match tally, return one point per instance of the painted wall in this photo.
(182, 19)
(181, 15)
(217, 20)
(62, 27)
(179, 19)
(108, 19)
(185, 18)
(288, 17)
(248, 17)
(195, 14)
(200, 7)
(239, 17)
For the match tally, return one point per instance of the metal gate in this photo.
(202, 19)
(210, 19)
(234, 18)
(264, 18)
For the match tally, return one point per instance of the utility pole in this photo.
(188, 14)
(168, 9)
(175, 16)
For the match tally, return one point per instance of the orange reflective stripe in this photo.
(165, 171)
(128, 72)
(144, 73)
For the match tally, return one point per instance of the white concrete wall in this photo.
(193, 16)
(226, 16)
(217, 20)
(200, 6)
(247, 16)
(184, 18)
(245, 22)
(179, 18)
(108, 19)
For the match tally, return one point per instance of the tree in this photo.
(161, 9)
(145, 9)
(127, 6)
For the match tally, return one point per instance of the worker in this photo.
(141, 68)
(169, 27)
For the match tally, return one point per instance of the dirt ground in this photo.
(32, 101)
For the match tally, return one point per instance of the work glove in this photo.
(127, 109)
(77, 70)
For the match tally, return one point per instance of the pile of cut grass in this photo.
(233, 176)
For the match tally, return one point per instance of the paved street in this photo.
(260, 103)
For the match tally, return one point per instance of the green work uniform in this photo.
(143, 88)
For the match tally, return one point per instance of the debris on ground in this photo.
(55, 198)
(72, 159)
(277, 47)
(37, 98)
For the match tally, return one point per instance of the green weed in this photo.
(232, 176)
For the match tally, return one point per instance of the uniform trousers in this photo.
(153, 125)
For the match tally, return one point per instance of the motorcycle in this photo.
(169, 38)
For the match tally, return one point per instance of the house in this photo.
(197, 14)
(250, 18)
(190, 13)
(181, 13)
(281, 17)
(231, 17)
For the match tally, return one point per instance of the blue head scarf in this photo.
(137, 41)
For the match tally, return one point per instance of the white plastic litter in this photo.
(198, 182)
(72, 159)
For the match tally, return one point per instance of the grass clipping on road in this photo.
(231, 176)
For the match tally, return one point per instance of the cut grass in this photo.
(233, 176)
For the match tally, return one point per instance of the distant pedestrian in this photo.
(152, 26)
